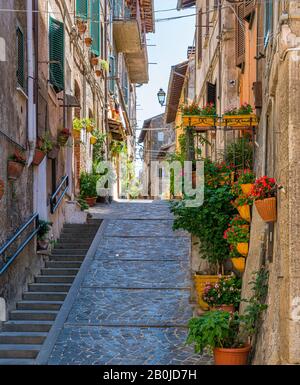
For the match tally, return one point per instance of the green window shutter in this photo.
(95, 26)
(57, 53)
(82, 9)
(20, 58)
(125, 87)
(112, 74)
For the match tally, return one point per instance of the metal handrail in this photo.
(34, 218)
(54, 203)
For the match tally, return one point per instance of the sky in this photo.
(171, 40)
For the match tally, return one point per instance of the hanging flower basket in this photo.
(239, 121)
(1, 188)
(266, 208)
(82, 26)
(93, 139)
(198, 121)
(88, 41)
(244, 212)
(63, 137)
(94, 61)
(243, 248)
(99, 73)
(38, 157)
(246, 188)
(239, 264)
(89, 128)
(53, 154)
(14, 169)
(236, 356)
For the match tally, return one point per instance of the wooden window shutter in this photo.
(240, 36)
(249, 7)
(95, 26)
(20, 58)
(257, 93)
(200, 36)
(207, 18)
(56, 54)
(112, 74)
(211, 93)
(82, 9)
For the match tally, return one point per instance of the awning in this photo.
(70, 101)
(165, 149)
(182, 4)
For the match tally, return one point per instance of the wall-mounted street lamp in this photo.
(161, 95)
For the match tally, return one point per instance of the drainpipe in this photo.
(106, 80)
(31, 127)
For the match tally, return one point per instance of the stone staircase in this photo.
(22, 336)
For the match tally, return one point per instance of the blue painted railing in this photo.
(59, 193)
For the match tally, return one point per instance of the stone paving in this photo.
(133, 304)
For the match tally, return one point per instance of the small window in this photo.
(211, 93)
(20, 58)
(160, 136)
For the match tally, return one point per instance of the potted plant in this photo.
(240, 117)
(82, 26)
(238, 262)
(239, 237)
(228, 335)
(99, 73)
(242, 204)
(63, 136)
(264, 195)
(1, 188)
(195, 116)
(88, 41)
(42, 239)
(104, 65)
(224, 294)
(88, 187)
(89, 124)
(246, 180)
(94, 61)
(16, 164)
(44, 145)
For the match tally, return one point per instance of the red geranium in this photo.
(263, 188)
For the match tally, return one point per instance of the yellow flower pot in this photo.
(244, 212)
(200, 282)
(243, 248)
(93, 140)
(239, 264)
(89, 129)
(246, 188)
(198, 121)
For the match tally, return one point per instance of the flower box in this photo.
(266, 208)
(199, 121)
(239, 121)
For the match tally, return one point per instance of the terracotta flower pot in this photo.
(91, 201)
(63, 138)
(266, 208)
(94, 61)
(39, 156)
(88, 41)
(246, 188)
(82, 27)
(98, 73)
(243, 248)
(1, 188)
(200, 282)
(228, 308)
(14, 169)
(238, 356)
(244, 212)
(53, 154)
(239, 264)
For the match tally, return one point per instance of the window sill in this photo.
(21, 91)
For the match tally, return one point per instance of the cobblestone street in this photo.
(132, 305)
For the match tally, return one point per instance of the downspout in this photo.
(31, 126)
(106, 80)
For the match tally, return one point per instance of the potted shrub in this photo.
(16, 164)
(264, 195)
(88, 41)
(246, 180)
(63, 136)
(224, 294)
(228, 335)
(42, 239)
(1, 188)
(88, 187)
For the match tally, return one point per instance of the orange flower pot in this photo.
(238, 356)
(94, 61)
(244, 212)
(91, 201)
(39, 155)
(14, 169)
(88, 41)
(246, 188)
(266, 208)
(243, 248)
(200, 282)
(228, 308)
(239, 264)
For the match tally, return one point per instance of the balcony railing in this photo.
(59, 193)
(8, 258)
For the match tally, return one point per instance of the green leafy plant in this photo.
(240, 154)
(45, 143)
(99, 146)
(245, 109)
(242, 200)
(78, 124)
(117, 147)
(83, 204)
(18, 156)
(44, 228)
(225, 292)
(104, 65)
(195, 109)
(246, 176)
(236, 234)
(88, 185)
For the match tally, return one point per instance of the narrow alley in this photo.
(130, 301)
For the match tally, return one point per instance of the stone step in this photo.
(34, 338)
(84, 226)
(95, 221)
(39, 305)
(44, 296)
(76, 237)
(72, 245)
(54, 279)
(57, 272)
(63, 264)
(27, 315)
(19, 351)
(69, 251)
(79, 232)
(16, 361)
(49, 287)
(67, 258)
(27, 326)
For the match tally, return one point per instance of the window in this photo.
(211, 93)
(82, 9)
(95, 26)
(240, 37)
(112, 74)
(56, 54)
(160, 136)
(20, 58)
(199, 35)
(268, 23)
